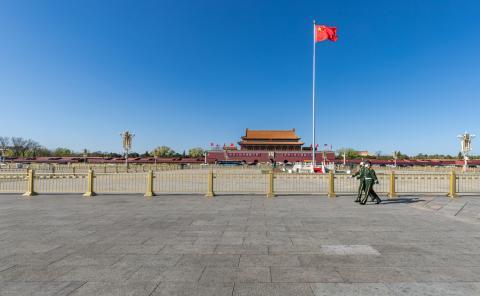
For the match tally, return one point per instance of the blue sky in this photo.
(404, 75)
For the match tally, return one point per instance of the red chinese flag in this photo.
(323, 33)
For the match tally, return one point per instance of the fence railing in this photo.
(121, 168)
(211, 182)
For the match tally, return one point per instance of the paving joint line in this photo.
(76, 288)
(154, 289)
(461, 208)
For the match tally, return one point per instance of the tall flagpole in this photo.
(313, 100)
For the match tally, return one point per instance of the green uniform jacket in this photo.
(369, 175)
(360, 174)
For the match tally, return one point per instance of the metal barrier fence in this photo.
(300, 183)
(180, 182)
(121, 168)
(81, 168)
(59, 183)
(468, 183)
(13, 182)
(211, 182)
(120, 183)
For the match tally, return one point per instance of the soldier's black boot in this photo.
(359, 197)
(364, 199)
(375, 197)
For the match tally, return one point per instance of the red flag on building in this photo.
(323, 33)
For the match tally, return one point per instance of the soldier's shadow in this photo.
(403, 200)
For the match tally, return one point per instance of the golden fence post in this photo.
(453, 185)
(392, 192)
(149, 191)
(210, 192)
(90, 191)
(271, 177)
(30, 183)
(331, 184)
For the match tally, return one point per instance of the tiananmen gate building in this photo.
(270, 140)
(269, 146)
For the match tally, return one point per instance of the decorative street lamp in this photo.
(466, 144)
(127, 138)
(85, 155)
(395, 157)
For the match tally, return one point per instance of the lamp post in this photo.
(127, 138)
(466, 147)
(85, 155)
(395, 157)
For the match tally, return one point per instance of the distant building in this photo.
(265, 146)
(270, 140)
(363, 153)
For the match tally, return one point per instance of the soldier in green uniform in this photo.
(359, 174)
(370, 178)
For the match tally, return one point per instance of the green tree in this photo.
(32, 147)
(60, 152)
(19, 146)
(9, 153)
(400, 155)
(163, 151)
(4, 143)
(349, 152)
(196, 152)
(42, 151)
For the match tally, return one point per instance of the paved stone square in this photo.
(238, 245)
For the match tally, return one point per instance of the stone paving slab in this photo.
(357, 289)
(273, 289)
(115, 289)
(197, 289)
(238, 245)
(39, 288)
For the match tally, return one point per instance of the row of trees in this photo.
(21, 147)
(17, 146)
(165, 151)
(351, 153)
